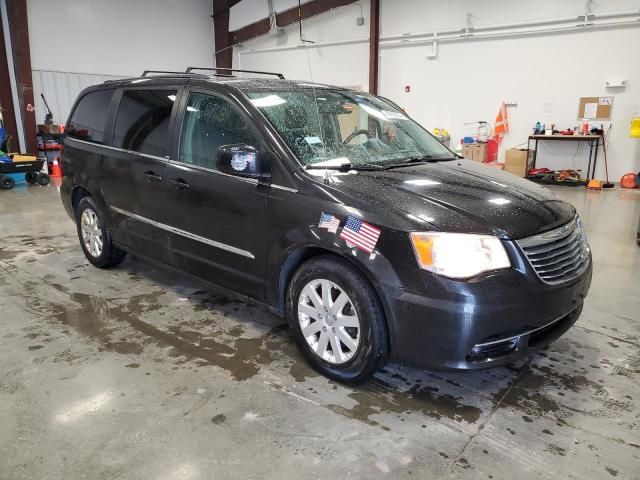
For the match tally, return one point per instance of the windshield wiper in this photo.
(421, 159)
(426, 158)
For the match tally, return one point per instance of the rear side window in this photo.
(88, 119)
(142, 123)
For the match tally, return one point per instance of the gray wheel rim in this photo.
(91, 232)
(329, 321)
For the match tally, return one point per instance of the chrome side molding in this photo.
(183, 233)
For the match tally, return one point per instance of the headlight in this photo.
(459, 255)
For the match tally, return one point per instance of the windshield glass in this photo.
(338, 127)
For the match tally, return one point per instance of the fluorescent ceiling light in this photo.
(334, 162)
(422, 182)
(395, 115)
(353, 211)
(268, 101)
(420, 218)
(313, 85)
(373, 112)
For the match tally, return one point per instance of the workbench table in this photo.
(594, 143)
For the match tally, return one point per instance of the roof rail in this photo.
(279, 75)
(146, 72)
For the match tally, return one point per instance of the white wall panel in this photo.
(250, 11)
(468, 80)
(120, 37)
(338, 65)
(246, 12)
(61, 90)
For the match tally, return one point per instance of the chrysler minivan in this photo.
(332, 208)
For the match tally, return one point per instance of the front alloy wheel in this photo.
(336, 319)
(328, 321)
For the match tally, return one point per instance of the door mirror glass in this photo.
(239, 159)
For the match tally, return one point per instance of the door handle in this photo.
(179, 183)
(152, 177)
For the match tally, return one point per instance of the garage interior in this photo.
(142, 372)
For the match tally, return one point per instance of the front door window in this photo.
(209, 123)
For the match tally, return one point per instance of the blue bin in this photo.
(17, 177)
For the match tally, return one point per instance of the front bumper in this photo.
(488, 321)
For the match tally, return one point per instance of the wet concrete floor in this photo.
(138, 372)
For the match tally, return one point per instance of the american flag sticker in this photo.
(360, 234)
(329, 222)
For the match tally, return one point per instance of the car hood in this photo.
(460, 196)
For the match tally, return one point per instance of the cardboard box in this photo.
(475, 151)
(516, 161)
(48, 128)
(467, 151)
(480, 152)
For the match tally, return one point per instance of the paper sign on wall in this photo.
(590, 111)
(605, 101)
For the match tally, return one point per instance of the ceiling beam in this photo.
(374, 45)
(285, 18)
(19, 33)
(223, 49)
(6, 99)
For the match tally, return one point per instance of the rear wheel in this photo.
(6, 183)
(43, 179)
(31, 177)
(94, 235)
(337, 320)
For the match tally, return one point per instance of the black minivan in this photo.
(332, 208)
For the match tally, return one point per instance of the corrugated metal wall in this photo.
(61, 90)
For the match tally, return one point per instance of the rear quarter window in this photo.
(88, 120)
(142, 123)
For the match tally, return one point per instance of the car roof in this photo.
(242, 84)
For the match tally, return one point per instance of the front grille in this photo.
(560, 255)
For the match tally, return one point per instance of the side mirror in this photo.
(241, 160)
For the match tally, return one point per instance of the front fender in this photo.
(303, 242)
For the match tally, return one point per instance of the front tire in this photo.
(94, 235)
(337, 320)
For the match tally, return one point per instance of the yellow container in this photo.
(635, 128)
(24, 158)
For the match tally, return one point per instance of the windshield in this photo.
(341, 127)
